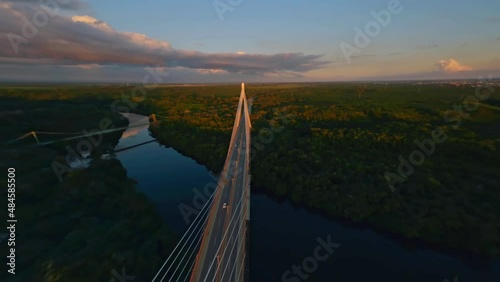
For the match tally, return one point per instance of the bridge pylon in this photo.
(223, 253)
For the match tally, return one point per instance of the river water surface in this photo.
(283, 236)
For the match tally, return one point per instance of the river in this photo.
(283, 235)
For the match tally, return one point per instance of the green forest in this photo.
(93, 221)
(325, 146)
(329, 147)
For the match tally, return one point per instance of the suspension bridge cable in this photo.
(225, 233)
(89, 134)
(231, 226)
(232, 249)
(73, 133)
(23, 136)
(241, 268)
(179, 251)
(185, 242)
(57, 133)
(206, 219)
(240, 213)
(187, 276)
(180, 262)
(187, 232)
(234, 266)
(192, 253)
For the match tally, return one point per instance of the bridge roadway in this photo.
(221, 255)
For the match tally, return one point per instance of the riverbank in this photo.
(167, 136)
(93, 221)
(333, 160)
(166, 176)
(283, 232)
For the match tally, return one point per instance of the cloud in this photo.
(394, 53)
(284, 75)
(89, 66)
(84, 40)
(92, 22)
(212, 71)
(451, 65)
(15, 73)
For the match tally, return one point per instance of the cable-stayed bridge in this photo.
(214, 248)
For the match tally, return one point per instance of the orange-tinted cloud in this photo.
(451, 65)
(85, 40)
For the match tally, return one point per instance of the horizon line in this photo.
(237, 83)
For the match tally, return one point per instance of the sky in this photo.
(203, 41)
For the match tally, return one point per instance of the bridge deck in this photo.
(223, 254)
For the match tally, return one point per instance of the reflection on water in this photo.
(133, 131)
(165, 176)
(135, 134)
(135, 119)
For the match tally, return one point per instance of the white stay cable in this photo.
(187, 276)
(232, 249)
(187, 251)
(225, 233)
(185, 234)
(189, 259)
(241, 268)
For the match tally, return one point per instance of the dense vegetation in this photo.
(93, 222)
(337, 143)
(324, 146)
